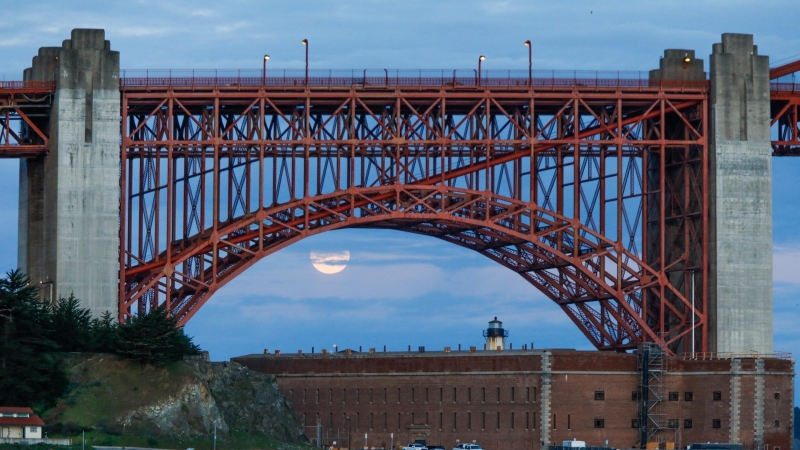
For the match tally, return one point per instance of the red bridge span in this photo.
(596, 187)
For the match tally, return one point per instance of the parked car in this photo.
(467, 447)
(415, 446)
(435, 447)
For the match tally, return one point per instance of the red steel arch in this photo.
(592, 189)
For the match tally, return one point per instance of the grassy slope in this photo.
(103, 387)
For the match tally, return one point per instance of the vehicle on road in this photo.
(468, 447)
(415, 446)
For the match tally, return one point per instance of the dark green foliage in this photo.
(29, 371)
(71, 325)
(104, 333)
(153, 338)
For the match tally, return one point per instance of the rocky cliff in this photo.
(116, 398)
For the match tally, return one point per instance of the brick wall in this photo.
(496, 398)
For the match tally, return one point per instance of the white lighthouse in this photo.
(495, 335)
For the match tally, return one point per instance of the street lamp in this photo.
(305, 42)
(530, 62)
(264, 71)
(480, 60)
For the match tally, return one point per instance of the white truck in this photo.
(573, 444)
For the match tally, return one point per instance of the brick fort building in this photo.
(527, 399)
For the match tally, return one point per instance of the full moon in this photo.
(330, 262)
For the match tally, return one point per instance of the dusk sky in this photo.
(402, 289)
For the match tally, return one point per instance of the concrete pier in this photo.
(69, 200)
(740, 199)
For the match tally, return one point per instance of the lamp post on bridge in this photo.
(264, 71)
(305, 42)
(480, 60)
(530, 62)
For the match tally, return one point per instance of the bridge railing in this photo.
(378, 78)
(28, 85)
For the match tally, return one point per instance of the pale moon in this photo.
(330, 263)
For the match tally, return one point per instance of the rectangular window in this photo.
(673, 396)
(330, 399)
(455, 421)
(385, 395)
(469, 421)
(412, 395)
(498, 395)
(426, 419)
(777, 423)
(599, 395)
(534, 393)
(527, 394)
(635, 396)
(483, 421)
(555, 427)
(441, 395)
(484, 395)
(426, 395)
(634, 423)
(34, 429)
(398, 395)
(512, 420)
(412, 419)
(672, 424)
(688, 396)
(455, 395)
(498, 420)
(358, 395)
(344, 395)
(441, 417)
(533, 422)
(469, 395)
(687, 423)
(371, 421)
(358, 421)
(527, 420)
(717, 396)
(716, 423)
(569, 421)
(512, 395)
(317, 396)
(291, 395)
(777, 396)
(599, 423)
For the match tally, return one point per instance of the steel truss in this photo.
(785, 123)
(24, 118)
(595, 196)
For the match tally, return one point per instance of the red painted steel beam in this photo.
(783, 70)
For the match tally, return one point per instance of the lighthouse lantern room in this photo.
(495, 335)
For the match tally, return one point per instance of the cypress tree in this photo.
(153, 338)
(70, 325)
(29, 371)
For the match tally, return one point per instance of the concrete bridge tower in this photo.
(740, 198)
(69, 200)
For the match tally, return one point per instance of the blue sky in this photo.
(401, 289)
